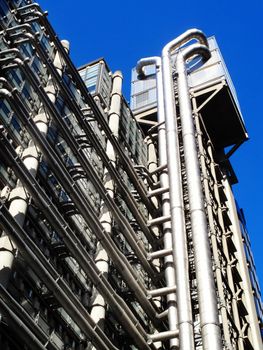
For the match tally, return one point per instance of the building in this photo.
(88, 246)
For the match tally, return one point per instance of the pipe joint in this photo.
(117, 74)
(5, 93)
(41, 118)
(18, 193)
(196, 49)
(30, 152)
(144, 62)
(184, 38)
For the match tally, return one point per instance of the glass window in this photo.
(5, 110)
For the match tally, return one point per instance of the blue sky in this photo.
(123, 32)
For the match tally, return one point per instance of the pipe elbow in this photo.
(34, 5)
(15, 50)
(197, 49)
(29, 32)
(197, 34)
(7, 86)
(3, 80)
(184, 38)
(19, 61)
(143, 62)
(65, 44)
(5, 93)
(30, 36)
(41, 14)
(26, 26)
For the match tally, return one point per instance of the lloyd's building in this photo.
(118, 225)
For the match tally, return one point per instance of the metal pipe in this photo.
(180, 252)
(58, 167)
(123, 313)
(53, 281)
(18, 197)
(161, 291)
(25, 334)
(159, 169)
(158, 191)
(243, 267)
(151, 165)
(98, 309)
(119, 217)
(169, 265)
(213, 226)
(187, 36)
(158, 221)
(83, 258)
(209, 321)
(68, 96)
(160, 253)
(90, 101)
(162, 336)
(29, 322)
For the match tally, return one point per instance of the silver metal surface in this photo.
(18, 197)
(98, 309)
(162, 336)
(161, 291)
(212, 71)
(246, 282)
(164, 182)
(176, 197)
(207, 298)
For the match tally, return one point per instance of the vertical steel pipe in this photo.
(180, 253)
(98, 310)
(164, 182)
(211, 333)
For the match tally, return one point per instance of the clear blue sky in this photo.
(123, 32)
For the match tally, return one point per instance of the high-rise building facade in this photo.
(107, 240)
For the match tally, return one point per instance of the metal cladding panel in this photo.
(213, 70)
(221, 115)
(96, 76)
(143, 92)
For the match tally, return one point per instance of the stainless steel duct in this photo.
(176, 197)
(98, 310)
(164, 183)
(207, 299)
